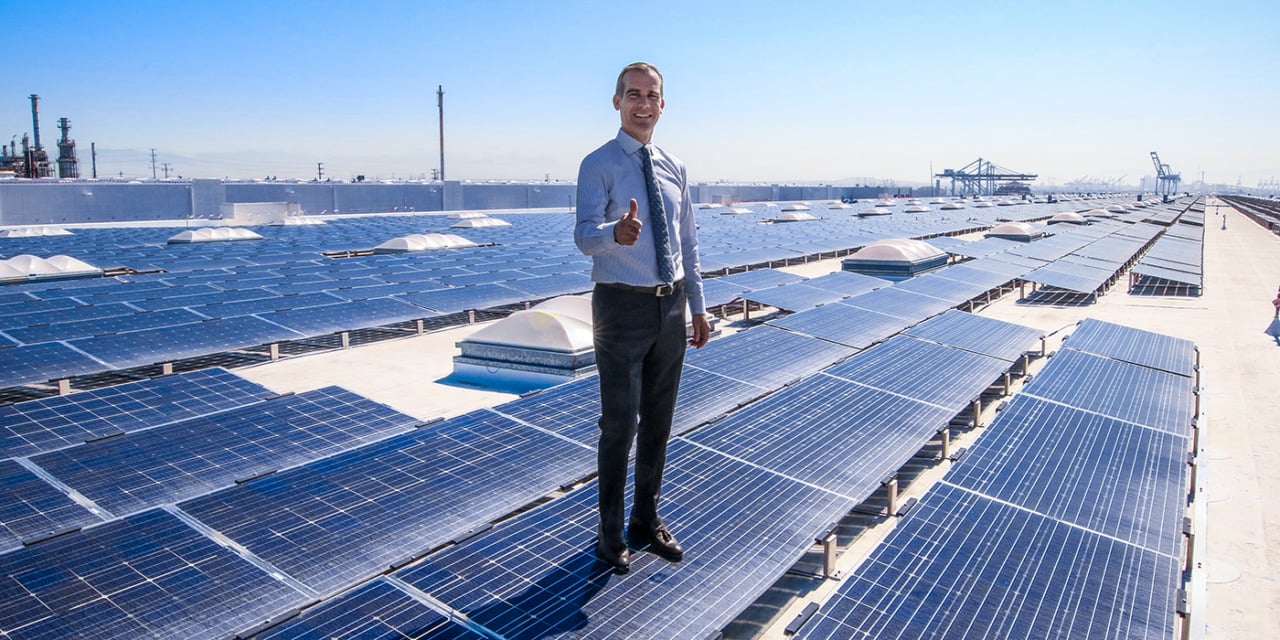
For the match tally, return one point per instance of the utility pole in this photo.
(93, 154)
(440, 104)
(319, 171)
(165, 166)
(153, 164)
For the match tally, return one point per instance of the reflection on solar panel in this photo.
(52, 423)
(766, 357)
(843, 324)
(43, 362)
(1135, 346)
(796, 296)
(926, 371)
(1130, 392)
(961, 565)
(1108, 476)
(76, 314)
(183, 459)
(266, 305)
(536, 575)
(893, 301)
(847, 282)
(718, 291)
(152, 346)
(148, 576)
(31, 509)
(988, 336)
(376, 610)
(829, 432)
(342, 519)
(104, 326)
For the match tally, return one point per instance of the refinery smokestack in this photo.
(35, 117)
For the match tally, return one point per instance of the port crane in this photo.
(980, 177)
(1166, 180)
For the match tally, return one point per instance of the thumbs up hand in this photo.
(627, 230)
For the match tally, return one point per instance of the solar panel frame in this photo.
(1112, 477)
(336, 521)
(1135, 346)
(45, 424)
(961, 565)
(1130, 392)
(147, 576)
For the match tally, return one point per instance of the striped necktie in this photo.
(657, 218)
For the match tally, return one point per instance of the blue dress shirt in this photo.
(607, 181)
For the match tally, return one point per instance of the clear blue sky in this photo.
(756, 91)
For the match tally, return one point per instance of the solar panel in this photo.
(1130, 392)
(347, 316)
(829, 432)
(553, 285)
(135, 321)
(88, 312)
(766, 357)
(480, 296)
(935, 286)
(32, 509)
(926, 371)
(847, 282)
(1136, 346)
(148, 576)
(178, 299)
(376, 610)
(851, 326)
(43, 362)
(979, 334)
(1072, 277)
(265, 305)
(796, 296)
(1108, 476)
(152, 346)
(338, 520)
(41, 425)
(145, 468)
(761, 278)
(717, 291)
(963, 566)
(911, 307)
(1172, 275)
(536, 575)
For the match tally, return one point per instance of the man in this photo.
(644, 254)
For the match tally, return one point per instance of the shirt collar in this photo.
(629, 144)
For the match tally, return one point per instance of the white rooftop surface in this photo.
(1240, 376)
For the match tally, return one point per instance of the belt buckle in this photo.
(663, 290)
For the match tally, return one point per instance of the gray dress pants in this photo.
(640, 342)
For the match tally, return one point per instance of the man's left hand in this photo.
(701, 331)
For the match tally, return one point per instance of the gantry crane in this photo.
(1166, 180)
(980, 177)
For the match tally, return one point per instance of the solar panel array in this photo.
(1064, 519)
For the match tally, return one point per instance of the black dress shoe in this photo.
(616, 556)
(656, 539)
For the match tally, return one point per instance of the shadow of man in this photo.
(554, 604)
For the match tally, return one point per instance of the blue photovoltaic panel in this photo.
(1180, 276)
(976, 273)
(473, 297)
(761, 278)
(847, 282)
(1112, 477)
(936, 286)
(41, 425)
(536, 575)
(43, 362)
(266, 305)
(104, 326)
(31, 509)
(1072, 277)
(376, 611)
(176, 301)
(843, 324)
(1135, 346)
(925, 371)
(828, 432)
(996, 338)
(347, 316)
(553, 285)
(152, 346)
(718, 291)
(333, 522)
(796, 296)
(1156, 399)
(766, 357)
(76, 314)
(145, 468)
(964, 566)
(148, 576)
(911, 307)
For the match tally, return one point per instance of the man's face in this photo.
(640, 104)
